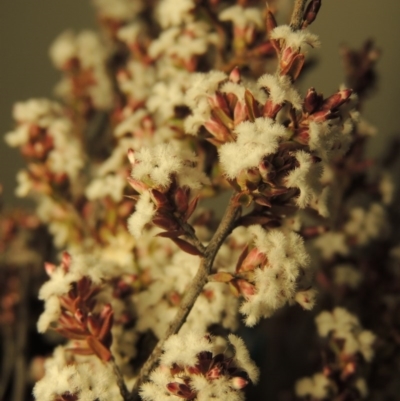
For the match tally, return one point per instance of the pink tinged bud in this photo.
(321, 116)
(131, 156)
(79, 316)
(181, 390)
(337, 99)
(239, 113)
(214, 373)
(271, 24)
(234, 76)
(254, 259)
(218, 101)
(246, 289)
(106, 311)
(348, 370)
(138, 186)
(49, 268)
(92, 325)
(218, 130)
(271, 109)
(302, 135)
(65, 261)
(265, 49)
(239, 383)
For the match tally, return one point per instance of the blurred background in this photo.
(28, 28)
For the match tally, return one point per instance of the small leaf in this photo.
(234, 288)
(99, 349)
(220, 277)
(250, 103)
(242, 257)
(192, 207)
(170, 234)
(187, 247)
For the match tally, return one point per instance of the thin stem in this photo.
(120, 381)
(296, 20)
(19, 384)
(195, 289)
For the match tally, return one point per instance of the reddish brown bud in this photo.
(337, 99)
(311, 12)
(312, 101)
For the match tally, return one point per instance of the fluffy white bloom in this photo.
(347, 275)
(342, 324)
(243, 16)
(110, 185)
(67, 155)
(184, 352)
(90, 380)
(280, 90)
(254, 141)
(201, 87)
(138, 82)
(86, 47)
(300, 39)
(36, 111)
(305, 177)
(316, 386)
(18, 137)
(143, 215)
(157, 165)
(329, 140)
(24, 184)
(129, 33)
(183, 43)
(275, 283)
(366, 225)
(332, 243)
(175, 12)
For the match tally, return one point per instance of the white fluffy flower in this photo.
(175, 12)
(276, 282)
(183, 352)
(343, 325)
(300, 39)
(157, 165)
(316, 386)
(243, 16)
(280, 90)
(254, 141)
(143, 215)
(305, 177)
(90, 380)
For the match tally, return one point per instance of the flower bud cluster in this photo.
(82, 59)
(166, 178)
(272, 273)
(71, 305)
(199, 367)
(342, 374)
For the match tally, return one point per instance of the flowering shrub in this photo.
(174, 104)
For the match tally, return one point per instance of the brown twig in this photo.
(195, 288)
(296, 20)
(120, 381)
(19, 384)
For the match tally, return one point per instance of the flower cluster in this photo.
(342, 374)
(177, 104)
(195, 367)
